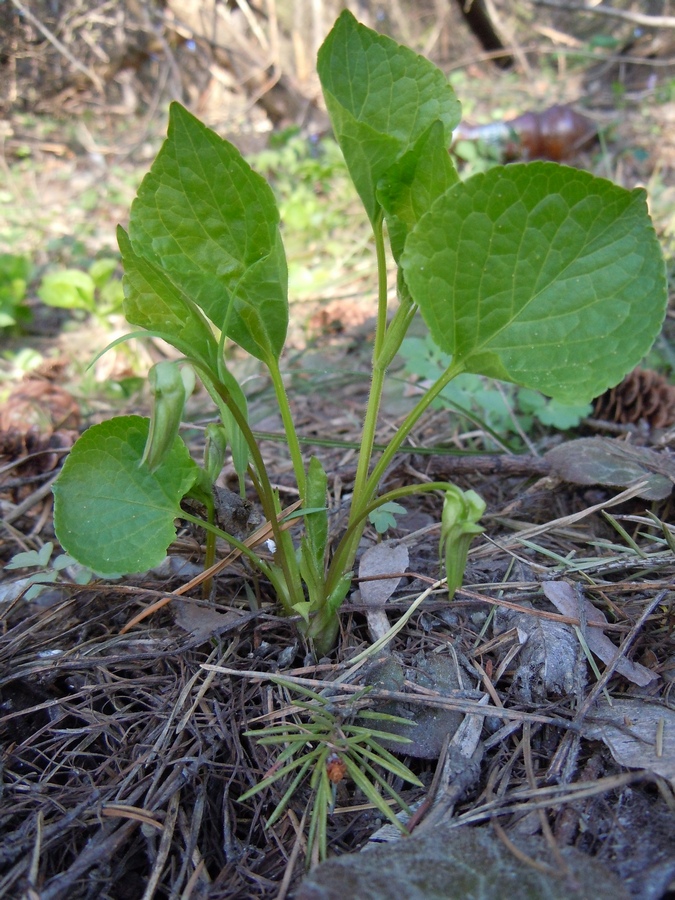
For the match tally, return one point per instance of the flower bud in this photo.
(215, 447)
(461, 512)
(169, 392)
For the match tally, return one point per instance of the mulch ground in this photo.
(123, 757)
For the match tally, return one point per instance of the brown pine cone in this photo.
(642, 395)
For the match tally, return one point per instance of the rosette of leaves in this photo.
(533, 273)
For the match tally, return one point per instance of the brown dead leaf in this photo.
(547, 660)
(204, 622)
(572, 603)
(639, 734)
(385, 559)
(612, 462)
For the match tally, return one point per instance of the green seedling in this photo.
(47, 570)
(498, 409)
(535, 274)
(15, 272)
(94, 292)
(324, 747)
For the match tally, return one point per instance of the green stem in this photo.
(286, 562)
(453, 370)
(210, 553)
(344, 557)
(381, 256)
(377, 381)
(342, 560)
(218, 532)
(289, 426)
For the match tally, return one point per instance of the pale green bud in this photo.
(461, 512)
(215, 447)
(169, 393)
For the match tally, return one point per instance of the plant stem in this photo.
(344, 556)
(285, 561)
(453, 370)
(210, 553)
(218, 532)
(342, 560)
(289, 426)
(377, 381)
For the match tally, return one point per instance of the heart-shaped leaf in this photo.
(380, 97)
(212, 224)
(541, 275)
(103, 490)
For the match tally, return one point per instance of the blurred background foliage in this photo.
(84, 91)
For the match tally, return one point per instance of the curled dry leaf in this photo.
(616, 463)
(547, 661)
(386, 559)
(572, 603)
(639, 734)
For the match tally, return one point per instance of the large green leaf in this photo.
(380, 97)
(541, 275)
(111, 513)
(212, 224)
(152, 301)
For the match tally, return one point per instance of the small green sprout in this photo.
(48, 570)
(324, 746)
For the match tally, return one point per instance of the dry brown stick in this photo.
(29, 502)
(626, 15)
(164, 846)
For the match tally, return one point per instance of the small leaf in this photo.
(380, 97)
(313, 546)
(30, 558)
(384, 516)
(541, 275)
(101, 270)
(111, 513)
(212, 224)
(411, 185)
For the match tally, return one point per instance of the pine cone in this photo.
(642, 395)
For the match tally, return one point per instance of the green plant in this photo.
(49, 569)
(325, 747)
(498, 408)
(15, 274)
(535, 273)
(94, 292)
